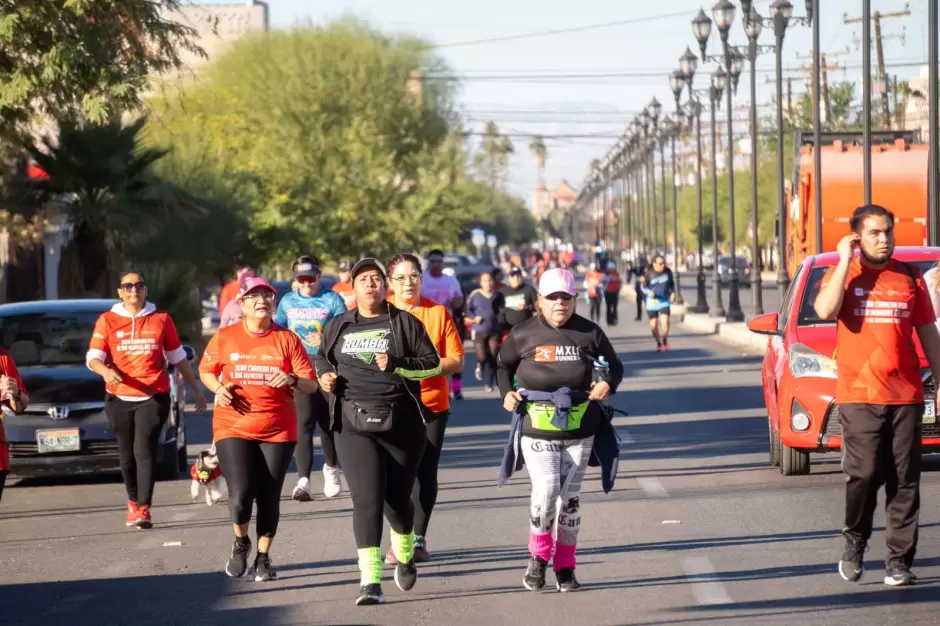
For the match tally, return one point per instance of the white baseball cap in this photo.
(557, 281)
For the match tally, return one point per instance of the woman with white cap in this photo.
(564, 365)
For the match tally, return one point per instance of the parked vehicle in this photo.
(799, 371)
(741, 265)
(65, 429)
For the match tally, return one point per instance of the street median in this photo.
(736, 333)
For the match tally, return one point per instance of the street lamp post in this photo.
(672, 130)
(866, 103)
(663, 138)
(719, 82)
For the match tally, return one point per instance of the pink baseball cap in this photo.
(557, 281)
(247, 274)
(253, 283)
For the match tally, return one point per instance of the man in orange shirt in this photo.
(231, 289)
(593, 283)
(879, 302)
(344, 286)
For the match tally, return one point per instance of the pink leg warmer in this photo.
(540, 544)
(564, 556)
(455, 385)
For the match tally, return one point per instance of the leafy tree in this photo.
(88, 59)
(540, 152)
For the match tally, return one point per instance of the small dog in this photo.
(207, 474)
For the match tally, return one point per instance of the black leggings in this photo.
(595, 308)
(254, 471)
(312, 410)
(487, 347)
(137, 426)
(3, 480)
(382, 477)
(424, 495)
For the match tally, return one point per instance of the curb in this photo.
(735, 333)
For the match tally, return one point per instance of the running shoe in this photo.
(263, 569)
(332, 487)
(143, 517)
(852, 565)
(488, 389)
(458, 395)
(565, 580)
(478, 372)
(302, 490)
(370, 594)
(900, 576)
(534, 578)
(132, 514)
(238, 563)
(421, 550)
(659, 347)
(406, 574)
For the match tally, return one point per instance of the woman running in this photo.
(254, 368)
(404, 272)
(371, 360)
(13, 395)
(130, 348)
(553, 356)
(306, 311)
(483, 307)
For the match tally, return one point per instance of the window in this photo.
(788, 300)
(59, 338)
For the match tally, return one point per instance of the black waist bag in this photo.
(368, 418)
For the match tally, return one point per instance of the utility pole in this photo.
(790, 100)
(882, 82)
(827, 106)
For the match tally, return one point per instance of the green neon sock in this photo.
(370, 566)
(403, 546)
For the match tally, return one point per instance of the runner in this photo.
(442, 287)
(553, 357)
(483, 307)
(405, 273)
(593, 291)
(371, 361)
(519, 301)
(130, 348)
(232, 288)
(14, 396)
(305, 312)
(612, 293)
(659, 289)
(879, 303)
(232, 314)
(254, 369)
(344, 286)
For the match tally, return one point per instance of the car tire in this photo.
(774, 445)
(793, 462)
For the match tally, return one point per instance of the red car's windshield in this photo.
(808, 314)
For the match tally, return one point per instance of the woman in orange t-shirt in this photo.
(13, 395)
(404, 272)
(253, 368)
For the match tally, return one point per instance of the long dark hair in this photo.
(395, 259)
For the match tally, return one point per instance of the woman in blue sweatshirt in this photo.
(483, 308)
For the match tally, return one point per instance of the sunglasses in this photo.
(128, 287)
(559, 296)
(308, 279)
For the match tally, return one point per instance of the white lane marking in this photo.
(652, 487)
(672, 521)
(171, 544)
(707, 588)
(626, 437)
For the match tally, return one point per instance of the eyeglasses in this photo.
(401, 279)
(128, 287)
(559, 296)
(264, 295)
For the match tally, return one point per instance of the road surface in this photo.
(699, 530)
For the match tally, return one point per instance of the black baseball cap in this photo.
(367, 263)
(306, 266)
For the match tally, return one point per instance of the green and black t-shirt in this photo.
(355, 352)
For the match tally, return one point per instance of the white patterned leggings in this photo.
(556, 469)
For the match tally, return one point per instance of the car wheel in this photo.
(774, 445)
(793, 462)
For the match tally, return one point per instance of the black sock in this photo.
(243, 541)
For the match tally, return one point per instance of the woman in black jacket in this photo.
(370, 362)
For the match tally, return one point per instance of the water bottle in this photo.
(601, 368)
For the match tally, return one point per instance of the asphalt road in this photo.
(699, 529)
(769, 293)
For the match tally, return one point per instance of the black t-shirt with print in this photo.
(519, 304)
(355, 354)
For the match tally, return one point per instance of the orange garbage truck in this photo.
(899, 183)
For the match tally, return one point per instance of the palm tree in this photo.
(540, 152)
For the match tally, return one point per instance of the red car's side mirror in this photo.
(765, 324)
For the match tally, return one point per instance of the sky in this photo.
(548, 85)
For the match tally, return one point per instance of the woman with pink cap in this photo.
(554, 369)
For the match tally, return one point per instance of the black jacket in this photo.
(412, 356)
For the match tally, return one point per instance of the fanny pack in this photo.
(541, 414)
(368, 418)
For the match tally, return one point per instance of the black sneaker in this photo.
(900, 576)
(370, 594)
(406, 574)
(565, 580)
(534, 578)
(458, 395)
(852, 565)
(263, 569)
(238, 563)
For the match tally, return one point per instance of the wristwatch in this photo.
(291, 384)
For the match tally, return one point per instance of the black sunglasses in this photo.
(130, 286)
(559, 296)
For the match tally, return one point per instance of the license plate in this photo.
(930, 412)
(66, 440)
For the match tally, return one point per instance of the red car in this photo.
(799, 372)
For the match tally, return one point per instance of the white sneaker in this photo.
(302, 490)
(332, 487)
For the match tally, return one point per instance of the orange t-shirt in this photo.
(593, 281)
(236, 355)
(138, 347)
(435, 393)
(7, 368)
(875, 352)
(346, 290)
(229, 292)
